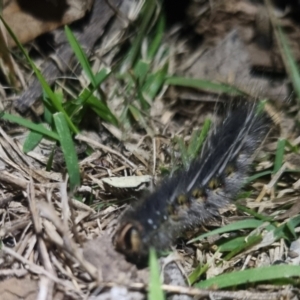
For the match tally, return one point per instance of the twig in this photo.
(81, 137)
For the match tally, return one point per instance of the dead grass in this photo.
(63, 246)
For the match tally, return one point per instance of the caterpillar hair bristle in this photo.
(191, 197)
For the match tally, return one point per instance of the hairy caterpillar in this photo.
(192, 197)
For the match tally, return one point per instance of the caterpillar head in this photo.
(128, 240)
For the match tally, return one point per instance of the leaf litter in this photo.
(63, 246)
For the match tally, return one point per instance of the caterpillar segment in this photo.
(192, 197)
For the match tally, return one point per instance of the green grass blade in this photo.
(28, 124)
(294, 222)
(50, 160)
(138, 117)
(159, 33)
(32, 140)
(243, 224)
(144, 104)
(195, 275)
(146, 18)
(287, 230)
(101, 76)
(155, 82)
(100, 108)
(197, 140)
(141, 69)
(232, 244)
(289, 60)
(183, 151)
(258, 175)
(248, 242)
(155, 291)
(55, 101)
(80, 54)
(205, 85)
(68, 149)
(253, 213)
(279, 155)
(250, 276)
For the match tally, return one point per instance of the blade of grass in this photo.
(232, 244)
(50, 160)
(144, 104)
(155, 290)
(146, 16)
(137, 115)
(279, 155)
(68, 149)
(99, 107)
(250, 276)
(253, 213)
(197, 140)
(258, 175)
(80, 54)
(243, 224)
(248, 242)
(155, 82)
(35, 127)
(183, 151)
(141, 69)
(205, 85)
(289, 227)
(195, 275)
(156, 42)
(56, 103)
(32, 140)
(289, 60)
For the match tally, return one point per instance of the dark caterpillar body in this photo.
(194, 196)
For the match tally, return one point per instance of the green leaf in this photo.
(205, 85)
(155, 290)
(100, 108)
(39, 128)
(254, 213)
(289, 60)
(287, 228)
(154, 82)
(55, 101)
(141, 70)
(243, 224)
(249, 241)
(144, 104)
(32, 140)
(183, 151)
(68, 149)
(258, 175)
(230, 245)
(279, 155)
(250, 276)
(159, 33)
(197, 140)
(101, 76)
(81, 56)
(138, 116)
(146, 19)
(195, 275)
(50, 160)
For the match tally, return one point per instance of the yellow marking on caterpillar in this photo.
(197, 193)
(214, 184)
(229, 170)
(182, 199)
